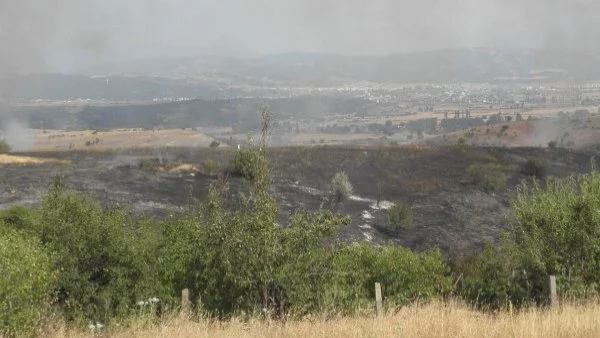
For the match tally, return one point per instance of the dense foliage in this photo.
(556, 231)
(27, 282)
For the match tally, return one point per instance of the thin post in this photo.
(185, 302)
(553, 297)
(378, 299)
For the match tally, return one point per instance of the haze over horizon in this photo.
(67, 35)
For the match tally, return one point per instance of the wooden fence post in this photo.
(553, 297)
(185, 302)
(378, 299)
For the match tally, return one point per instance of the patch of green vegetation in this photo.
(555, 231)
(248, 163)
(341, 187)
(27, 282)
(488, 177)
(211, 166)
(398, 217)
(4, 147)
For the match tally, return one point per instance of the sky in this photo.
(67, 35)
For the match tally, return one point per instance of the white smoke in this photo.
(20, 137)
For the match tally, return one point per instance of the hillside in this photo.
(212, 77)
(461, 65)
(453, 209)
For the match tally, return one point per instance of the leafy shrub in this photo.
(211, 166)
(556, 232)
(489, 177)
(552, 144)
(399, 217)
(536, 167)
(500, 276)
(4, 147)
(558, 228)
(341, 186)
(26, 283)
(106, 258)
(214, 144)
(249, 164)
(404, 276)
(462, 142)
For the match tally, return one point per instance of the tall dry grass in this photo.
(433, 320)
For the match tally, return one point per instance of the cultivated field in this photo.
(55, 140)
(435, 320)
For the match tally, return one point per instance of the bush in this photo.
(558, 229)
(552, 144)
(5, 148)
(107, 260)
(462, 142)
(488, 177)
(405, 276)
(499, 276)
(26, 283)
(215, 144)
(211, 166)
(535, 167)
(341, 186)
(399, 217)
(250, 164)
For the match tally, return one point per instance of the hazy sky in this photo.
(63, 35)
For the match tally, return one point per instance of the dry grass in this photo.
(89, 140)
(24, 160)
(435, 320)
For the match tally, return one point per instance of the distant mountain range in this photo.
(452, 65)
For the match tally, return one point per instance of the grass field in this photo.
(119, 139)
(435, 320)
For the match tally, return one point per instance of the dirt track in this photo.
(448, 212)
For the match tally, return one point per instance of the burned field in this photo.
(459, 196)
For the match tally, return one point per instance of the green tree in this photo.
(341, 187)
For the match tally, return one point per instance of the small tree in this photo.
(341, 186)
(215, 144)
(399, 217)
(4, 147)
